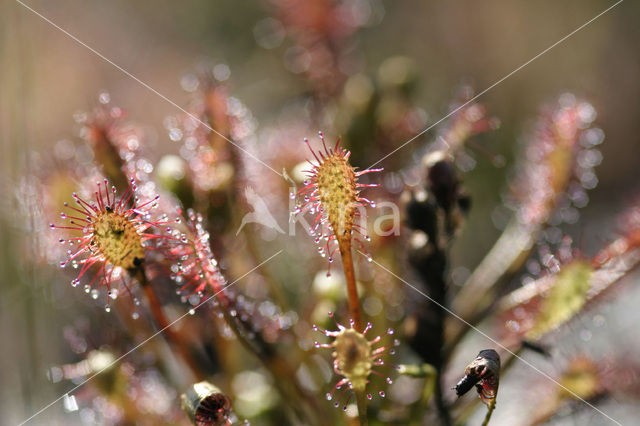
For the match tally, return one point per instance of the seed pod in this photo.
(206, 405)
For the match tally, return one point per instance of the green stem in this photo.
(490, 409)
(361, 401)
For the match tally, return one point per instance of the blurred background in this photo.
(46, 78)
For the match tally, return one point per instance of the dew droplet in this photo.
(107, 309)
(75, 282)
(329, 396)
(389, 380)
(104, 98)
(382, 394)
(390, 331)
(192, 311)
(135, 315)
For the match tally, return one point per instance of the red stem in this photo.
(174, 339)
(352, 288)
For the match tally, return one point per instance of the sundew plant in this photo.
(307, 222)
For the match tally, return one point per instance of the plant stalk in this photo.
(490, 409)
(350, 277)
(276, 366)
(163, 324)
(361, 401)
